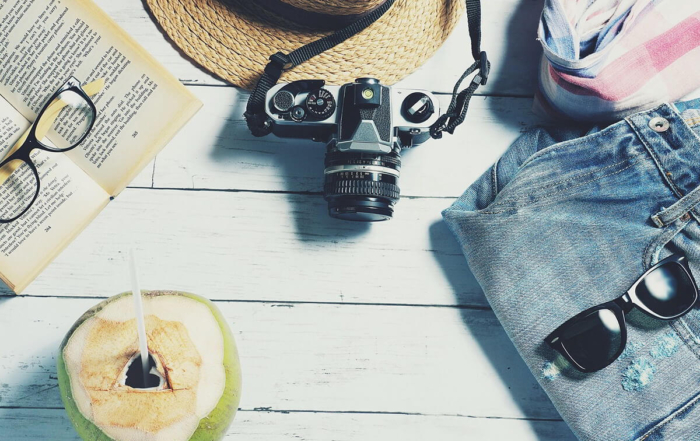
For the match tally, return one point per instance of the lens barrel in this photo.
(362, 186)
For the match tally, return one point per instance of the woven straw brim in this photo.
(234, 39)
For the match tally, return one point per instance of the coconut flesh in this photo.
(194, 383)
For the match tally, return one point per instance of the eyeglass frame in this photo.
(23, 152)
(620, 307)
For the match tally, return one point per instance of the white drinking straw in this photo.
(140, 319)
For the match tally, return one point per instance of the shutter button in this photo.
(659, 124)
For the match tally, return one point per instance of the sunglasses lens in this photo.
(595, 340)
(667, 291)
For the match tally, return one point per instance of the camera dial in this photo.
(320, 104)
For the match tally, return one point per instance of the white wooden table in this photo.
(346, 331)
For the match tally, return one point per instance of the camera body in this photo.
(364, 125)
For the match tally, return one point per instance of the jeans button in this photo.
(659, 124)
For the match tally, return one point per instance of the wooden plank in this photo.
(509, 37)
(145, 178)
(333, 358)
(273, 247)
(53, 424)
(216, 150)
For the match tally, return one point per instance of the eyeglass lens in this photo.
(594, 340)
(67, 120)
(667, 290)
(18, 188)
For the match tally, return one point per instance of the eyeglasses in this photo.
(596, 337)
(68, 116)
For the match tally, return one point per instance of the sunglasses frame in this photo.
(621, 306)
(23, 152)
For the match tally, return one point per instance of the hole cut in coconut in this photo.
(134, 377)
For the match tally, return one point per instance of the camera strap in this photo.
(261, 125)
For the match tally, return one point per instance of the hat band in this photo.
(311, 19)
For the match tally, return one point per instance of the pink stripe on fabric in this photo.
(667, 48)
(629, 73)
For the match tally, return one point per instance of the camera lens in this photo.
(362, 186)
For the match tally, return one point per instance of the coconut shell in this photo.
(213, 427)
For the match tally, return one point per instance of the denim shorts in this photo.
(568, 219)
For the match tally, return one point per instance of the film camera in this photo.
(365, 125)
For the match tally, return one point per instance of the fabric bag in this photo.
(606, 59)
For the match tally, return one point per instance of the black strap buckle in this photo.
(279, 62)
(442, 124)
(484, 67)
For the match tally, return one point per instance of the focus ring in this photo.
(346, 187)
(343, 158)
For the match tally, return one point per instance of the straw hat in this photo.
(234, 38)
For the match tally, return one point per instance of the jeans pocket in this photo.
(572, 145)
(529, 173)
(537, 185)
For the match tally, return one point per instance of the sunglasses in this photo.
(596, 337)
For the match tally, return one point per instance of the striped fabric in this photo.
(605, 59)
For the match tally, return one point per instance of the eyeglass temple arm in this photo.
(45, 124)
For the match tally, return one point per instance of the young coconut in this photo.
(195, 371)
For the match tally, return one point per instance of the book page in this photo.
(68, 199)
(44, 42)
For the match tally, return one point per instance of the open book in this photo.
(139, 109)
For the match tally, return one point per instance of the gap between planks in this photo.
(340, 412)
(278, 426)
(276, 303)
(281, 192)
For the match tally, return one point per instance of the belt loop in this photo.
(657, 219)
(678, 210)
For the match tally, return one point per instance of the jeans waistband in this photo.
(667, 133)
(689, 110)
